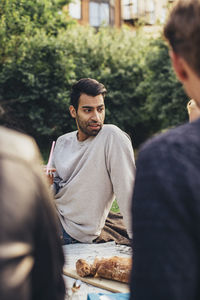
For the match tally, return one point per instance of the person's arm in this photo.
(165, 256)
(121, 165)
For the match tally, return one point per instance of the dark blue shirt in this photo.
(166, 217)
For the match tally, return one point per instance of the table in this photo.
(89, 252)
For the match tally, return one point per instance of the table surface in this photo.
(89, 252)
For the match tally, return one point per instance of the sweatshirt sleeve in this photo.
(121, 167)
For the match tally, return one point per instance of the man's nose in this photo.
(95, 116)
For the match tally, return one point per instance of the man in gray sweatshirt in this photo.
(94, 164)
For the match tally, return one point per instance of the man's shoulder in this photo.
(66, 136)
(110, 129)
(178, 139)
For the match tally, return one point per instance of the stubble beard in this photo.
(83, 126)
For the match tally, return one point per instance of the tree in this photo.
(32, 65)
(38, 68)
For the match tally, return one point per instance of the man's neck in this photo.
(81, 138)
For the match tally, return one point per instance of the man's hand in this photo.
(50, 174)
(193, 110)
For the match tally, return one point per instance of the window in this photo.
(150, 11)
(130, 9)
(101, 13)
(75, 9)
(163, 15)
(112, 12)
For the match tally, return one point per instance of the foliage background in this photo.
(43, 53)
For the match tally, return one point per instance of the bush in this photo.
(161, 97)
(143, 97)
(33, 68)
(34, 87)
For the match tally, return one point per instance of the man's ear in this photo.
(72, 111)
(179, 65)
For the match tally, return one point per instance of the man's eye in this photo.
(100, 109)
(87, 110)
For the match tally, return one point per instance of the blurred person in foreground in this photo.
(94, 164)
(166, 200)
(31, 257)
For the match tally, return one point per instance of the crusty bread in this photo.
(84, 269)
(115, 268)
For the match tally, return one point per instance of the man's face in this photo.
(89, 116)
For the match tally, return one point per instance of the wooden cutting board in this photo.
(107, 284)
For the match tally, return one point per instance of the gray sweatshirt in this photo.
(89, 175)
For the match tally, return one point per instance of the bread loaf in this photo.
(115, 268)
(84, 269)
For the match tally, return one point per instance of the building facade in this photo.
(97, 12)
(148, 12)
(117, 12)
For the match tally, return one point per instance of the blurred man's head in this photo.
(182, 31)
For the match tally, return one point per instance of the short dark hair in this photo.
(87, 86)
(182, 30)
